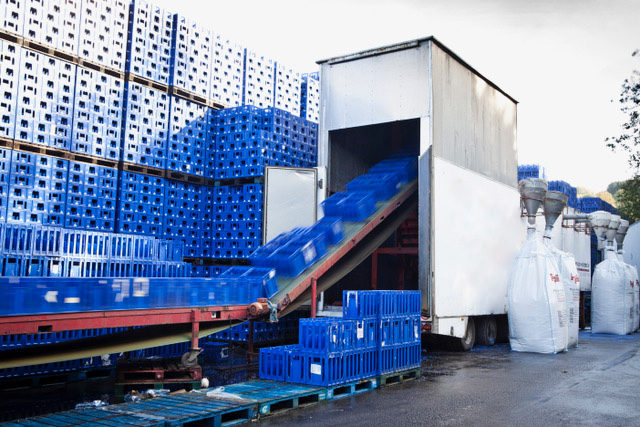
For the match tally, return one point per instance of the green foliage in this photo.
(629, 138)
(628, 198)
(584, 192)
(614, 187)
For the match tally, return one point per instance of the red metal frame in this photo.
(31, 324)
(345, 248)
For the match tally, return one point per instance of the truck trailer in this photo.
(420, 97)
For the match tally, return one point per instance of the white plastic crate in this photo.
(151, 38)
(103, 32)
(259, 80)
(146, 126)
(97, 121)
(287, 89)
(311, 98)
(12, 16)
(227, 62)
(192, 59)
(9, 73)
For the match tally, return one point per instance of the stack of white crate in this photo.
(191, 66)
(227, 62)
(287, 89)
(103, 32)
(12, 16)
(97, 123)
(9, 74)
(55, 23)
(310, 100)
(259, 80)
(44, 110)
(150, 39)
(146, 126)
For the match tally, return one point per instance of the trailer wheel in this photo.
(468, 340)
(487, 331)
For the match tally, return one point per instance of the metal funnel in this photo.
(554, 203)
(622, 232)
(612, 229)
(532, 191)
(599, 221)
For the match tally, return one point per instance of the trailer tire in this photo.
(467, 342)
(487, 331)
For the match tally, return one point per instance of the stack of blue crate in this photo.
(103, 32)
(379, 334)
(97, 122)
(42, 251)
(91, 197)
(237, 220)
(142, 199)
(149, 47)
(207, 270)
(592, 204)
(56, 24)
(183, 214)
(286, 328)
(566, 188)
(146, 126)
(36, 188)
(528, 171)
(5, 175)
(190, 64)
(187, 137)
(248, 138)
(10, 342)
(382, 182)
(44, 113)
(9, 81)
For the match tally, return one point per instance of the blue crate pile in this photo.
(310, 97)
(293, 252)
(36, 187)
(45, 251)
(191, 59)
(528, 171)
(103, 32)
(248, 138)
(91, 197)
(39, 295)
(379, 334)
(382, 182)
(592, 204)
(286, 328)
(11, 342)
(237, 220)
(566, 188)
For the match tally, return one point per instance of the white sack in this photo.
(536, 300)
(612, 298)
(571, 283)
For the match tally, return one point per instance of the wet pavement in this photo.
(597, 383)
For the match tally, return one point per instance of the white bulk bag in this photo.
(612, 298)
(536, 300)
(571, 284)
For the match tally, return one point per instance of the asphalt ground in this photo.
(597, 383)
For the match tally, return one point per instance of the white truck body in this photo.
(420, 95)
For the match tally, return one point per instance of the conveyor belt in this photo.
(360, 240)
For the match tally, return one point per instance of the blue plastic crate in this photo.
(325, 335)
(332, 228)
(381, 185)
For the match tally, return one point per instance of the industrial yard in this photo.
(192, 232)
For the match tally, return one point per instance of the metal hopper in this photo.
(532, 192)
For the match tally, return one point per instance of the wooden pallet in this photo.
(399, 377)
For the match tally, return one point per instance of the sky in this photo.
(564, 61)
